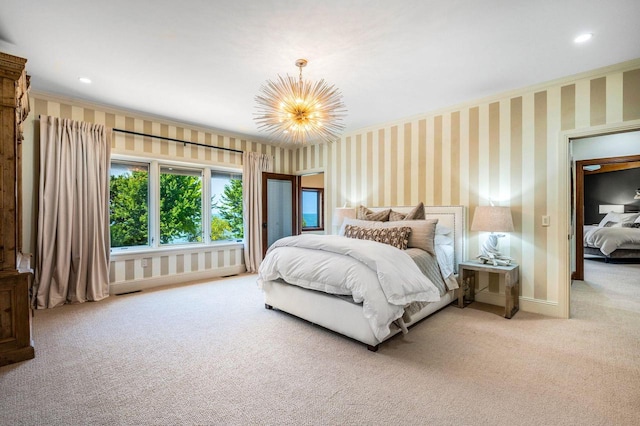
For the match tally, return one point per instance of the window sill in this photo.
(140, 252)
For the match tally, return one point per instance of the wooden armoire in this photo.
(15, 311)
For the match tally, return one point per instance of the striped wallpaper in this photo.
(504, 149)
(129, 272)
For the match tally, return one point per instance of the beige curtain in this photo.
(72, 264)
(253, 164)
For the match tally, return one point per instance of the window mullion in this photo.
(206, 205)
(154, 203)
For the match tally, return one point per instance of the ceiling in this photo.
(202, 62)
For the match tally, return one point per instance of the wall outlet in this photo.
(144, 263)
(545, 220)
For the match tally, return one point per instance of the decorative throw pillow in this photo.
(619, 217)
(631, 225)
(397, 237)
(364, 213)
(416, 213)
(396, 216)
(358, 222)
(610, 224)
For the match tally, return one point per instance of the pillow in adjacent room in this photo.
(631, 225)
(422, 233)
(618, 217)
(364, 213)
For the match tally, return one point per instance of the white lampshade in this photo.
(341, 213)
(606, 208)
(492, 219)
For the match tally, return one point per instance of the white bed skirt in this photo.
(334, 313)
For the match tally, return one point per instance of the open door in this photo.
(279, 207)
(606, 165)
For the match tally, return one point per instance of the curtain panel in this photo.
(253, 164)
(72, 264)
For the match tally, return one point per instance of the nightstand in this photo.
(511, 284)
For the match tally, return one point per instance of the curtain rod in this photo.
(177, 140)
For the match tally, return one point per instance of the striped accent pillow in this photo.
(364, 213)
(416, 213)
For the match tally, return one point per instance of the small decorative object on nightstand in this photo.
(511, 284)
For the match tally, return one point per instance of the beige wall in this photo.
(505, 148)
(129, 272)
(315, 180)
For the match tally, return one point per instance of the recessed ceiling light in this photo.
(84, 80)
(583, 37)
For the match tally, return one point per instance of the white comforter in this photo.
(610, 239)
(382, 278)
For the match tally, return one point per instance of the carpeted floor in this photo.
(209, 353)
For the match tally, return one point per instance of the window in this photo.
(226, 206)
(312, 208)
(155, 204)
(180, 205)
(129, 204)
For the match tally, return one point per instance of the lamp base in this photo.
(490, 253)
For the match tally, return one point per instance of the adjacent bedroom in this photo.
(319, 213)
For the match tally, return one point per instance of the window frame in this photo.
(187, 171)
(320, 200)
(154, 204)
(130, 162)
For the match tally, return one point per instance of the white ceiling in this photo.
(203, 62)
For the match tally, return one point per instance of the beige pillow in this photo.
(422, 233)
(397, 236)
(364, 213)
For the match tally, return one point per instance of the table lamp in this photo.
(492, 219)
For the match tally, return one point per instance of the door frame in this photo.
(565, 199)
(578, 274)
(295, 221)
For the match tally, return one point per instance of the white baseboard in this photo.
(142, 284)
(527, 304)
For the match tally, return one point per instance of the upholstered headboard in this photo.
(453, 217)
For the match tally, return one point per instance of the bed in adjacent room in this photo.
(617, 236)
(360, 287)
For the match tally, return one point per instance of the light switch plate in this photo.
(545, 220)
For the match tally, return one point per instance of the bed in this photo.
(617, 236)
(348, 314)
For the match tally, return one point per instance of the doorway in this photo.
(602, 165)
(604, 143)
(279, 207)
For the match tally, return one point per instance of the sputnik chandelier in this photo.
(297, 111)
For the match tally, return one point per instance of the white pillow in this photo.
(442, 240)
(442, 230)
(618, 218)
